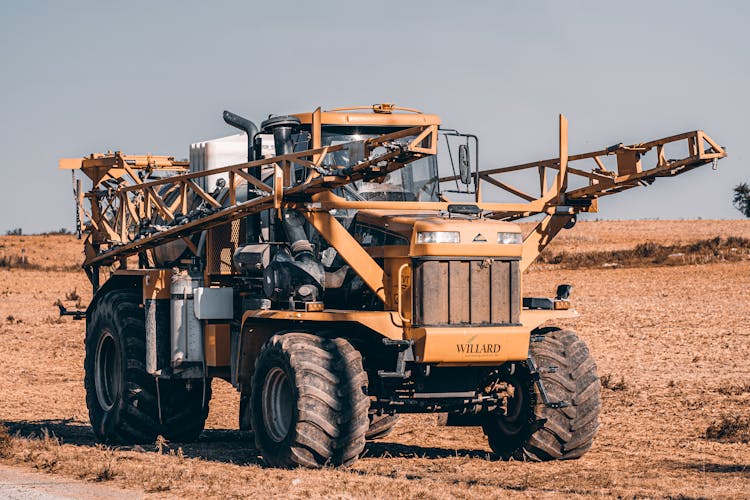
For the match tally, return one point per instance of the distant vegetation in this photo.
(19, 231)
(62, 230)
(17, 262)
(11, 262)
(729, 429)
(649, 254)
(741, 198)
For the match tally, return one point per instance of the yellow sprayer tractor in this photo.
(336, 280)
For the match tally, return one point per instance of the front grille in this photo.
(484, 291)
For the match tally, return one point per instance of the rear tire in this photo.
(121, 396)
(380, 426)
(309, 401)
(533, 431)
(246, 421)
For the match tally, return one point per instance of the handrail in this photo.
(629, 173)
(128, 212)
(385, 107)
(120, 201)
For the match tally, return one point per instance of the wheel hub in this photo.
(277, 404)
(108, 380)
(516, 412)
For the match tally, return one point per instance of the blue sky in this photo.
(137, 76)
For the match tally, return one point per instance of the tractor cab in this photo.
(418, 181)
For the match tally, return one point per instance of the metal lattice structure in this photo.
(126, 199)
(123, 197)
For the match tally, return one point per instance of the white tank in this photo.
(217, 153)
(208, 155)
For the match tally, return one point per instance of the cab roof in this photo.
(379, 115)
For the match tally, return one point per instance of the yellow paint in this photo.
(216, 344)
(386, 323)
(471, 344)
(156, 282)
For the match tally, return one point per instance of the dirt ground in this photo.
(17, 484)
(672, 344)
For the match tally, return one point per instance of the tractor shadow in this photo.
(69, 431)
(218, 445)
(713, 468)
(383, 449)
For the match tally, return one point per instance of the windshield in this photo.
(418, 181)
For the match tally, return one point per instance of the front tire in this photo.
(533, 431)
(309, 401)
(120, 395)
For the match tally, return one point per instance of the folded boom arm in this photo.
(560, 203)
(130, 193)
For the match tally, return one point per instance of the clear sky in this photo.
(150, 76)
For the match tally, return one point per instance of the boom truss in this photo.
(129, 194)
(124, 199)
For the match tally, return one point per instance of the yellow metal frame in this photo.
(122, 197)
(448, 345)
(114, 213)
(113, 217)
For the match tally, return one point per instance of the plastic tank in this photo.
(208, 155)
(217, 153)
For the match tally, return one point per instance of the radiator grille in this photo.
(466, 292)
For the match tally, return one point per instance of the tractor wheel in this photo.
(184, 408)
(121, 396)
(309, 401)
(533, 431)
(380, 426)
(246, 421)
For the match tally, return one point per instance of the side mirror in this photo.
(464, 164)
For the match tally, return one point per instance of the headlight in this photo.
(509, 238)
(438, 237)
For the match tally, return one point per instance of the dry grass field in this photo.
(672, 344)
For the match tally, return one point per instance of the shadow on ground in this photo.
(68, 430)
(380, 449)
(219, 445)
(715, 468)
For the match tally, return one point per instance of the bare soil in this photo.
(17, 484)
(671, 342)
(598, 235)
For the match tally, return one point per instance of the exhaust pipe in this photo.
(236, 121)
(305, 269)
(246, 126)
(282, 128)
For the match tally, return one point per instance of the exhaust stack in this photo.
(302, 275)
(236, 121)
